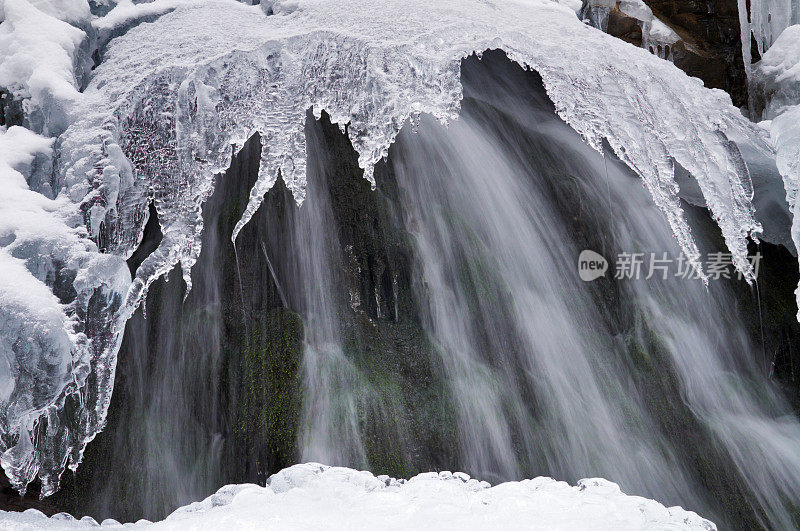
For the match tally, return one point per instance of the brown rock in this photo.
(710, 46)
(625, 27)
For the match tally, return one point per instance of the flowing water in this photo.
(652, 383)
(549, 378)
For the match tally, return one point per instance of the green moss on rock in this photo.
(267, 374)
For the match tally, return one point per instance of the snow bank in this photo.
(127, 14)
(777, 76)
(126, 11)
(42, 63)
(763, 24)
(75, 12)
(311, 496)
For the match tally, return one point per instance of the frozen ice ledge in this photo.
(174, 97)
(311, 495)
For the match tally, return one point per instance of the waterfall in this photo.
(650, 382)
(549, 378)
(439, 322)
(332, 382)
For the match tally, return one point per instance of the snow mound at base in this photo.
(311, 495)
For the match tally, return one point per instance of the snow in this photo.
(126, 11)
(572, 5)
(311, 495)
(661, 33)
(777, 77)
(126, 14)
(41, 63)
(160, 114)
(46, 352)
(76, 12)
(636, 9)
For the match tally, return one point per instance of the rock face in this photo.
(711, 48)
(709, 45)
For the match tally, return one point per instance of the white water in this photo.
(542, 368)
(331, 380)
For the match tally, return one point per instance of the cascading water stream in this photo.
(440, 322)
(524, 345)
(543, 378)
(331, 380)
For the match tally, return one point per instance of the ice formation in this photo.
(763, 24)
(174, 97)
(767, 20)
(215, 89)
(776, 81)
(43, 62)
(311, 495)
(59, 298)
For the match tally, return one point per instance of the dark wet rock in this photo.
(11, 112)
(407, 420)
(710, 46)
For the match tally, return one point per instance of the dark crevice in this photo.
(11, 112)
(755, 56)
(151, 238)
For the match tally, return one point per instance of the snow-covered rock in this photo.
(311, 496)
(777, 79)
(43, 62)
(75, 12)
(126, 14)
(763, 24)
(58, 300)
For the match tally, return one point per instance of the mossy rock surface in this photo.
(267, 374)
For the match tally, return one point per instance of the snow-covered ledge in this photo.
(312, 496)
